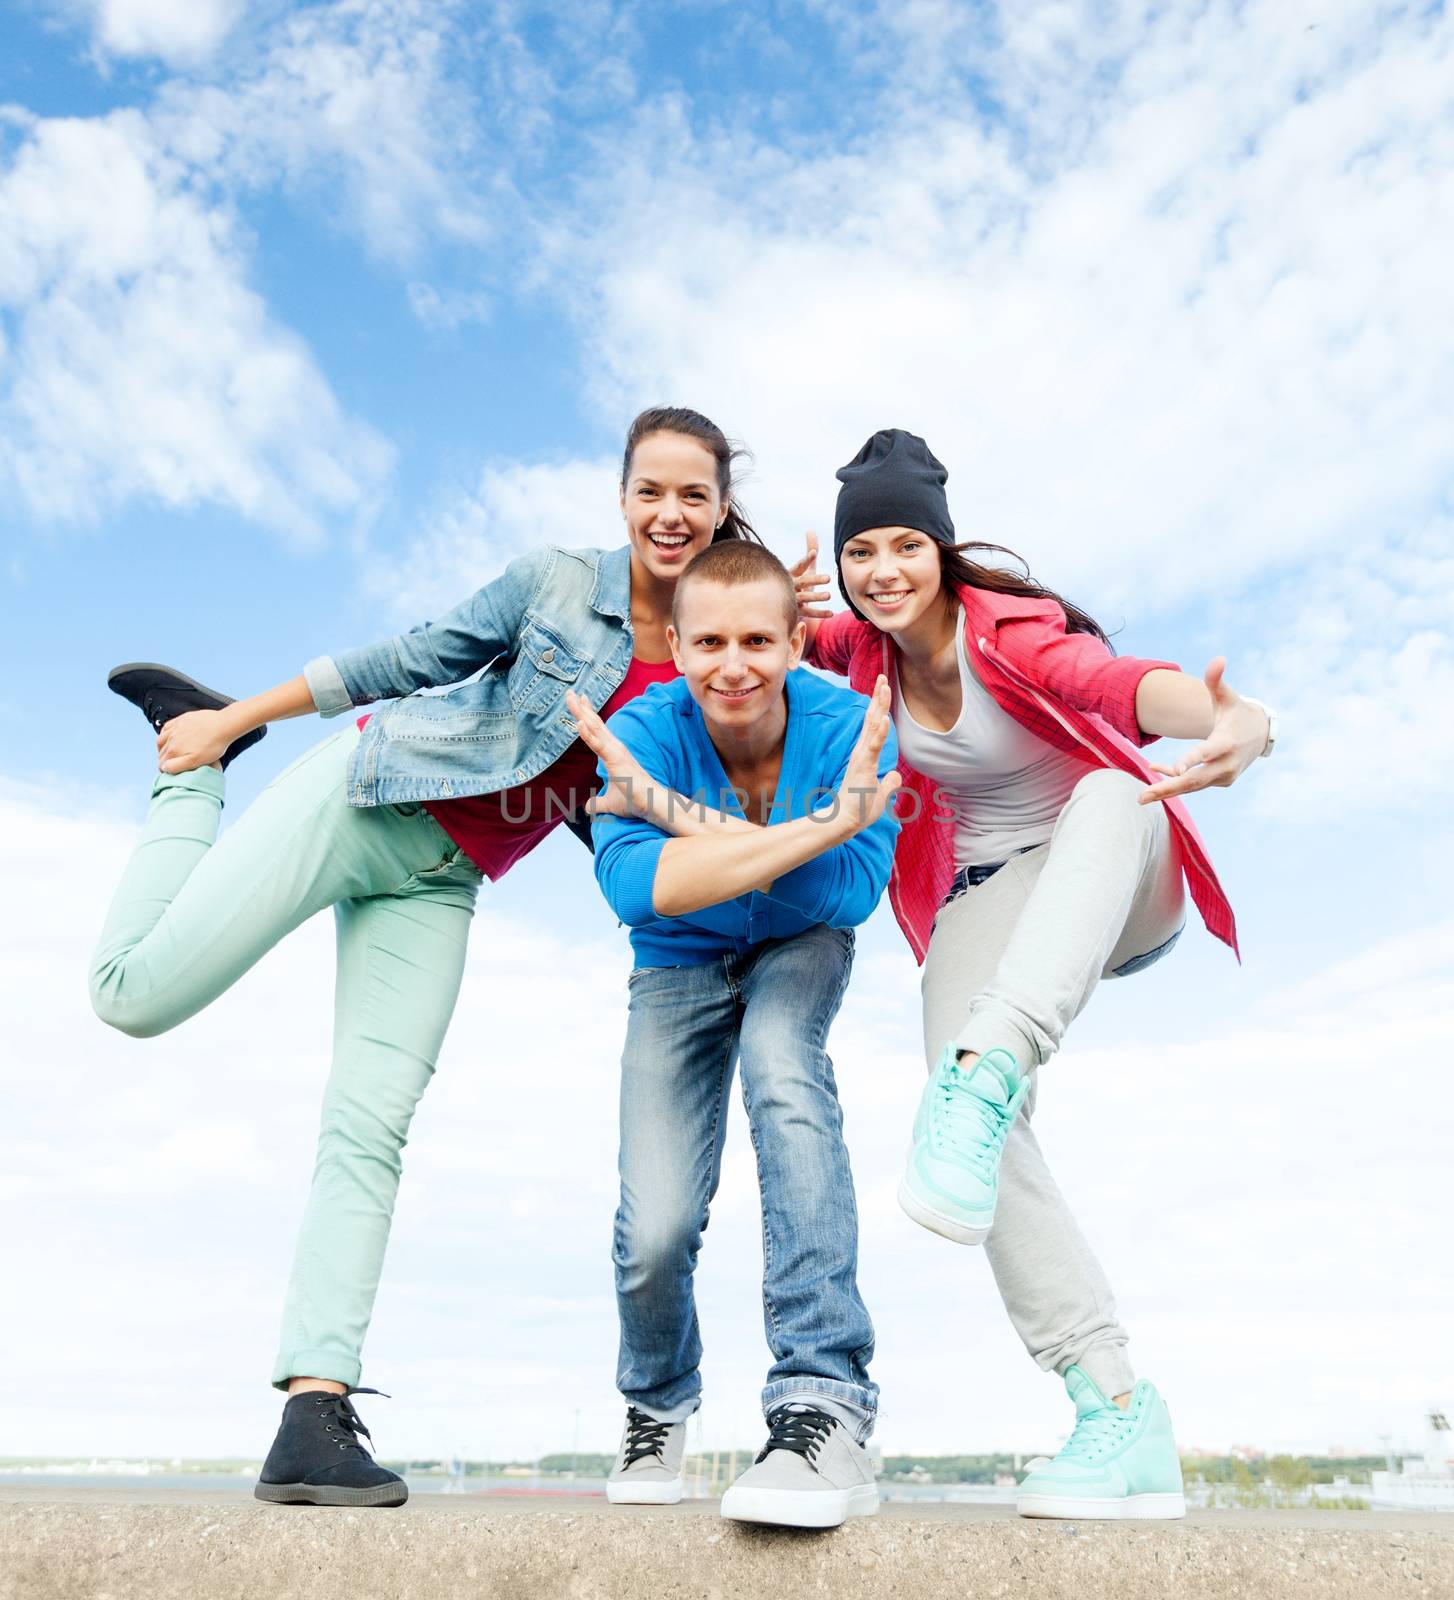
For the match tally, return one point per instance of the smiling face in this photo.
(735, 647)
(893, 576)
(671, 502)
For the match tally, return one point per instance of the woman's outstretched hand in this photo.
(1238, 737)
(627, 791)
(863, 795)
(194, 739)
(810, 585)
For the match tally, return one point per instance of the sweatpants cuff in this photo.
(1107, 1368)
(992, 1029)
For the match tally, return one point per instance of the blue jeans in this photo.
(771, 1007)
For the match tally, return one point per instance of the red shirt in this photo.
(495, 830)
(1066, 687)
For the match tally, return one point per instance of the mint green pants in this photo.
(193, 912)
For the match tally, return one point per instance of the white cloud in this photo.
(471, 534)
(1171, 337)
(1175, 327)
(1358, 657)
(1267, 1195)
(444, 310)
(142, 362)
(1408, 978)
(180, 32)
(356, 109)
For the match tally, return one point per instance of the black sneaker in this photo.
(163, 693)
(317, 1460)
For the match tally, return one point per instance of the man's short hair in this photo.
(737, 561)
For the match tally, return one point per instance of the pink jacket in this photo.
(1066, 687)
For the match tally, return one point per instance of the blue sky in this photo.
(312, 316)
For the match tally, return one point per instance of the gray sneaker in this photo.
(648, 1470)
(810, 1474)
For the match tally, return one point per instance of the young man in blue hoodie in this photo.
(743, 833)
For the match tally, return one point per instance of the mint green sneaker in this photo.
(952, 1180)
(1116, 1465)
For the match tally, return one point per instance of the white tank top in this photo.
(1005, 784)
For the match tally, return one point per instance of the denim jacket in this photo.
(553, 620)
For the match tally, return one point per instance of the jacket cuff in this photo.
(326, 685)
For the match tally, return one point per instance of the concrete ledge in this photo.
(110, 1545)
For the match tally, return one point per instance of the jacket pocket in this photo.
(544, 666)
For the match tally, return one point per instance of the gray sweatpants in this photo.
(1011, 963)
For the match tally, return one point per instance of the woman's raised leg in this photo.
(194, 911)
(1106, 889)
(1053, 1287)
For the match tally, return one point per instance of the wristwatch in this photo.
(1271, 716)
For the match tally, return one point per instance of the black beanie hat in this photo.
(893, 482)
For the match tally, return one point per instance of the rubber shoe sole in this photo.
(936, 1221)
(317, 1494)
(800, 1508)
(645, 1493)
(1134, 1508)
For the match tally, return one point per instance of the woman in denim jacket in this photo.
(393, 822)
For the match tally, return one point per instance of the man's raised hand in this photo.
(863, 795)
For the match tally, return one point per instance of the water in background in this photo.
(533, 1486)
(226, 1482)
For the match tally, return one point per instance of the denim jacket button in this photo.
(547, 655)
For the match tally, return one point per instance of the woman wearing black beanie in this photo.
(1037, 855)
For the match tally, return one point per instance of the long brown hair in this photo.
(678, 419)
(957, 568)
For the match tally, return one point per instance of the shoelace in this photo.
(644, 1437)
(1096, 1431)
(340, 1408)
(799, 1428)
(964, 1124)
(152, 712)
